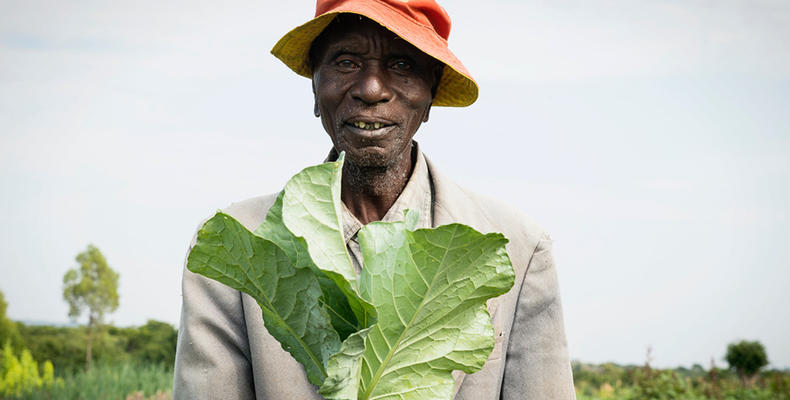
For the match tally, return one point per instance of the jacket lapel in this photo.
(453, 204)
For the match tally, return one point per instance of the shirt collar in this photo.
(415, 196)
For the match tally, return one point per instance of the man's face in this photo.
(372, 91)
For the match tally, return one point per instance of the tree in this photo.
(153, 342)
(746, 358)
(8, 329)
(93, 285)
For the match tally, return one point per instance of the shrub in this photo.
(112, 381)
(20, 376)
(746, 358)
(65, 346)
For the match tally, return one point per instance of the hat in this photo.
(423, 23)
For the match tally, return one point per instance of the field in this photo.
(152, 381)
(615, 382)
(48, 362)
(125, 381)
(136, 363)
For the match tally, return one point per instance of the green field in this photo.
(125, 381)
(48, 362)
(136, 381)
(612, 381)
(136, 363)
(130, 380)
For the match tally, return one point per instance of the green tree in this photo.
(154, 342)
(746, 358)
(8, 329)
(92, 286)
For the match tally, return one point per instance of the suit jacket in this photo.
(225, 352)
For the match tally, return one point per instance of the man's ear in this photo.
(316, 111)
(438, 71)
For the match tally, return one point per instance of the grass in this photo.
(613, 382)
(110, 382)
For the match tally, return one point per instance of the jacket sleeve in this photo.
(212, 355)
(538, 366)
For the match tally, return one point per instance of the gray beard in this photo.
(375, 181)
(378, 180)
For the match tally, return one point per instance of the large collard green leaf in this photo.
(335, 300)
(290, 297)
(311, 209)
(345, 367)
(429, 288)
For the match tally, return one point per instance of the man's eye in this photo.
(346, 64)
(401, 65)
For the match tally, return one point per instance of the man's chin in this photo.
(368, 159)
(375, 157)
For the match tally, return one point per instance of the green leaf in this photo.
(336, 301)
(311, 209)
(344, 368)
(289, 296)
(429, 288)
(416, 313)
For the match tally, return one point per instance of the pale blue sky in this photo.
(651, 138)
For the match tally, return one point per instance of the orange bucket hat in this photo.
(423, 23)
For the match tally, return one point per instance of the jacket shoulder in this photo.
(454, 203)
(505, 217)
(251, 212)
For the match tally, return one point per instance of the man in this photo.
(377, 68)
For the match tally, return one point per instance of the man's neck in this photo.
(369, 192)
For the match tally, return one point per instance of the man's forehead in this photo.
(359, 41)
(356, 29)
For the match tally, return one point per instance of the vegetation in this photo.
(93, 286)
(154, 342)
(20, 376)
(134, 363)
(408, 277)
(125, 380)
(8, 330)
(630, 382)
(746, 358)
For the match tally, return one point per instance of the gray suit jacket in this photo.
(225, 352)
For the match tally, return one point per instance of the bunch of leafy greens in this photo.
(397, 330)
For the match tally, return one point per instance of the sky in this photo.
(650, 138)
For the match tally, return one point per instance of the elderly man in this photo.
(377, 68)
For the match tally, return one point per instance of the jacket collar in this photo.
(453, 204)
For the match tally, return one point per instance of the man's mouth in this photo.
(369, 125)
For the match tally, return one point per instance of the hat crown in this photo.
(424, 12)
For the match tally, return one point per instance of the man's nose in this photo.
(372, 86)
